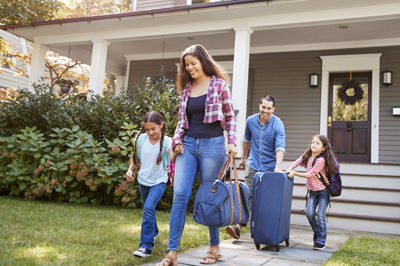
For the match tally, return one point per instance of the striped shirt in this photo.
(218, 108)
(313, 182)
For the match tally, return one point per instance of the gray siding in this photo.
(154, 4)
(389, 125)
(7, 77)
(285, 77)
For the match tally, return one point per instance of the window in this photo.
(7, 58)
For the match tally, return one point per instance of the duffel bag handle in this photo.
(230, 162)
(233, 162)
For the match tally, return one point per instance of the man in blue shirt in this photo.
(264, 135)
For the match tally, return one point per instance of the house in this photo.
(7, 78)
(298, 51)
(10, 81)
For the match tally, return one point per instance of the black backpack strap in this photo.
(319, 176)
(305, 207)
(321, 179)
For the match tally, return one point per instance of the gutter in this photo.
(133, 13)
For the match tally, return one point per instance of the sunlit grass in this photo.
(49, 233)
(367, 252)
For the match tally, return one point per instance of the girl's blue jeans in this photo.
(204, 155)
(318, 224)
(150, 197)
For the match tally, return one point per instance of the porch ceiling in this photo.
(279, 26)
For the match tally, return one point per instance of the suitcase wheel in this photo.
(257, 245)
(277, 247)
(287, 242)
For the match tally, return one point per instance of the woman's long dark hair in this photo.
(330, 164)
(152, 117)
(210, 67)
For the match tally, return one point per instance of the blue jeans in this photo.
(204, 155)
(150, 197)
(318, 224)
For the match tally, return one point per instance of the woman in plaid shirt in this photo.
(205, 111)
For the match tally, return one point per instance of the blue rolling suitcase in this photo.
(270, 210)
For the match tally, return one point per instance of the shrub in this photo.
(77, 150)
(73, 149)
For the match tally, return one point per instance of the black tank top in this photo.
(197, 128)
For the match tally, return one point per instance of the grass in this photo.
(49, 233)
(364, 251)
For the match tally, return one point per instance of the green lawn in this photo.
(364, 251)
(49, 233)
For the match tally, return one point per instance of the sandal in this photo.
(211, 255)
(167, 259)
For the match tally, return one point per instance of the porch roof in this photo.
(133, 13)
(279, 26)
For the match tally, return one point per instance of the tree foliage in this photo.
(27, 11)
(82, 8)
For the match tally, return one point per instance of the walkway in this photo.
(300, 252)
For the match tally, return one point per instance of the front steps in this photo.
(370, 199)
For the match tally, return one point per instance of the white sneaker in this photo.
(142, 252)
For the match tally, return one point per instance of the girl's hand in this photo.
(231, 149)
(291, 174)
(129, 177)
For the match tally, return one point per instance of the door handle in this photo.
(329, 121)
(349, 126)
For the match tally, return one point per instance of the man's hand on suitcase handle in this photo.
(242, 163)
(278, 170)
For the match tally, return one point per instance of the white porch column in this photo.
(98, 66)
(128, 69)
(240, 80)
(119, 85)
(37, 64)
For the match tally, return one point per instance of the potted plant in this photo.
(65, 85)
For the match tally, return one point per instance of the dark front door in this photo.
(349, 125)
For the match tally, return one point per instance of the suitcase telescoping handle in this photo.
(230, 162)
(286, 174)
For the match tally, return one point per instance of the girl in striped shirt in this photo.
(318, 159)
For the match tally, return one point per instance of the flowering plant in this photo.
(350, 92)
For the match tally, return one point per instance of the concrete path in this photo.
(243, 252)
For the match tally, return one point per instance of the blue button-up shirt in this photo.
(265, 141)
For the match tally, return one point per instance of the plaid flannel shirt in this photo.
(218, 108)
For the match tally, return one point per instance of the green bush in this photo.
(101, 117)
(77, 150)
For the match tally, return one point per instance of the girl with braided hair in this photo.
(153, 152)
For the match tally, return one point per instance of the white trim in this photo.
(326, 46)
(348, 63)
(280, 48)
(240, 80)
(119, 84)
(128, 68)
(98, 66)
(37, 64)
(134, 5)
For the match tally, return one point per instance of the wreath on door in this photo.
(350, 92)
